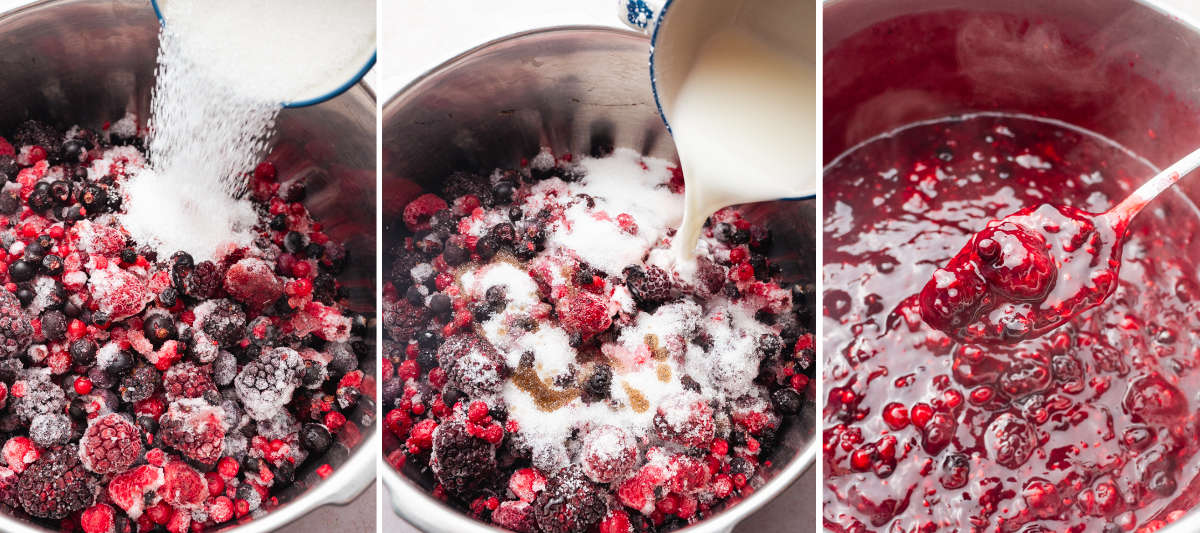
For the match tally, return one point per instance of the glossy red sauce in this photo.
(1090, 427)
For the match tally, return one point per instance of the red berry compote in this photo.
(555, 372)
(1091, 426)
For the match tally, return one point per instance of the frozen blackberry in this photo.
(462, 183)
(16, 330)
(50, 429)
(598, 385)
(187, 380)
(41, 396)
(402, 320)
(9, 170)
(266, 384)
(650, 287)
(139, 384)
(55, 485)
(204, 282)
(570, 503)
(195, 428)
(110, 445)
(463, 464)
(37, 133)
(222, 320)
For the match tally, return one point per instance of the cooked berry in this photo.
(55, 485)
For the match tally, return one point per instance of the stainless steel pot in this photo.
(573, 89)
(89, 61)
(1126, 69)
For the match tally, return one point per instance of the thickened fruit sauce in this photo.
(1090, 426)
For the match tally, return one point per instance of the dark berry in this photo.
(159, 328)
(462, 463)
(502, 192)
(83, 352)
(56, 485)
(599, 384)
(94, 198)
(22, 270)
(279, 222)
(52, 265)
(455, 253)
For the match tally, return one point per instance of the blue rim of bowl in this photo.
(662, 15)
(358, 76)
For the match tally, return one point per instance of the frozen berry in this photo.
(569, 503)
(418, 212)
(608, 453)
(56, 485)
(195, 428)
(462, 463)
(685, 418)
(266, 384)
(110, 444)
(16, 330)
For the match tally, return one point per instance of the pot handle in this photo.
(639, 14)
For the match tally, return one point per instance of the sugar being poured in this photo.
(225, 67)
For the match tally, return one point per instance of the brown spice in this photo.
(664, 373)
(651, 341)
(544, 396)
(637, 401)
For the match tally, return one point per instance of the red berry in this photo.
(83, 385)
(895, 415)
(418, 212)
(265, 171)
(920, 414)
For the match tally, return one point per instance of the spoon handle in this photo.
(1131, 205)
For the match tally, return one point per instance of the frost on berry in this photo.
(472, 364)
(110, 444)
(222, 320)
(187, 380)
(16, 330)
(266, 384)
(41, 396)
(56, 485)
(608, 453)
(685, 418)
(195, 428)
(128, 490)
(569, 504)
(462, 463)
(253, 282)
(50, 429)
(183, 487)
(118, 293)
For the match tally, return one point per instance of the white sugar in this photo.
(277, 50)
(225, 67)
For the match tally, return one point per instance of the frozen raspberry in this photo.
(253, 282)
(195, 428)
(403, 320)
(685, 418)
(222, 320)
(266, 384)
(515, 516)
(569, 504)
(585, 313)
(463, 464)
(418, 212)
(110, 444)
(99, 518)
(650, 287)
(183, 487)
(186, 380)
(129, 489)
(19, 453)
(40, 396)
(118, 293)
(16, 330)
(56, 485)
(608, 453)
(526, 483)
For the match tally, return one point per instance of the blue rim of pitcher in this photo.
(358, 76)
(662, 13)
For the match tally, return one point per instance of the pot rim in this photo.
(415, 505)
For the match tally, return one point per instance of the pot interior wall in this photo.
(88, 62)
(574, 90)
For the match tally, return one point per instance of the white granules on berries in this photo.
(622, 212)
(225, 67)
(623, 183)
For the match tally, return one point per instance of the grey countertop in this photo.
(792, 512)
(357, 516)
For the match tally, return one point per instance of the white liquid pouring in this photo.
(744, 122)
